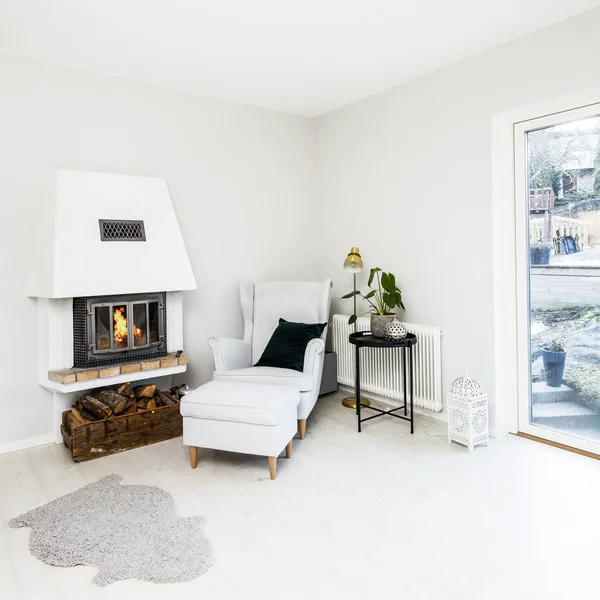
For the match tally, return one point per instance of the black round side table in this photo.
(364, 339)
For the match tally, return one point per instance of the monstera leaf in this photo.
(372, 275)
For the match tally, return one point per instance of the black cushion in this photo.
(287, 345)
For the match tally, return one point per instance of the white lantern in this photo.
(467, 413)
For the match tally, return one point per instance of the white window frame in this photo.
(511, 294)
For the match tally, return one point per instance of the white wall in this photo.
(406, 175)
(241, 179)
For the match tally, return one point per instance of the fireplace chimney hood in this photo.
(109, 234)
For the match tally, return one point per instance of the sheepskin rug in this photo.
(127, 531)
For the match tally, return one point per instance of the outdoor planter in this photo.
(554, 366)
(539, 254)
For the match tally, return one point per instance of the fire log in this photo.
(115, 401)
(144, 391)
(151, 404)
(129, 403)
(173, 397)
(88, 416)
(77, 417)
(142, 402)
(95, 393)
(132, 408)
(96, 407)
(126, 389)
(165, 398)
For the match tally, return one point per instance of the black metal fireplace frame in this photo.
(83, 340)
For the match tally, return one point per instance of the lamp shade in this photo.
(353, 262)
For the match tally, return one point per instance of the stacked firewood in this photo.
(103, 403)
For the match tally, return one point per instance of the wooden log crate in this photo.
(88, 439)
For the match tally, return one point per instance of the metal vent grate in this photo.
(122, 231)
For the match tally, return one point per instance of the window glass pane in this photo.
(120, 326)
(102, 327)
(564, 258)
(153, 324)
(140, 327)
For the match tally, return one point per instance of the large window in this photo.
(558, 206)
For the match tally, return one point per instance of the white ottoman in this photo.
(251, 418)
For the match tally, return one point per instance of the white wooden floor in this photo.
(381, 515)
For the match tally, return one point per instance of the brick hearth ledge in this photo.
(68, 376)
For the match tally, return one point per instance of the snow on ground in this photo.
(590, 257)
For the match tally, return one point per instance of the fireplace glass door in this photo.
(125, 325)
(113, 329)
(120, 330)
(103, 328)
(140, 324)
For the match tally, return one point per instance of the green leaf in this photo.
(387, 282)
(372, 274)
(392, 281)
(350, 295)
(398, 298)
(352, 320)
(370, 294)
(389, 299)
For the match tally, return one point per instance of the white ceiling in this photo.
(299, 56)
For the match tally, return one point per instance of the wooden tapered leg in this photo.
(272, 466)
(302, 427)
(288, 450)
(193, 456)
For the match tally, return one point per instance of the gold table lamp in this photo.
(354, 264)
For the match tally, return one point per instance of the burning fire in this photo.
(120, 327)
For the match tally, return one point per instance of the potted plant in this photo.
(554, 355)
(539, 253)
(383, 297)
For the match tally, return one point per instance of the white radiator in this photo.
(381, 369)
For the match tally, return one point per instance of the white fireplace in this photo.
(108, 281)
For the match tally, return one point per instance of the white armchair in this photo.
(263, 304)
